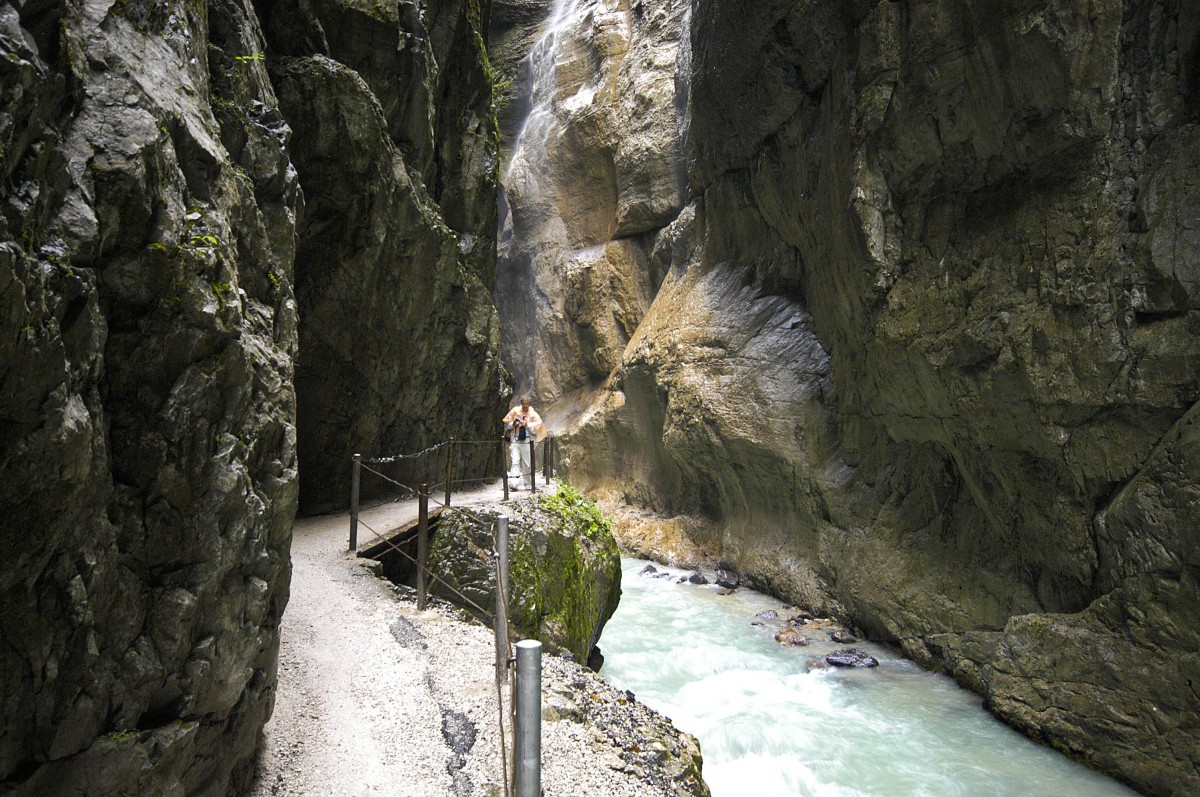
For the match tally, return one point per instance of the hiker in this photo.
(520, 425)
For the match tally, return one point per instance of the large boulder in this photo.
(564, 563)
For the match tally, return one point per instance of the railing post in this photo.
(546, 462)
(501, 599)
(422, 542)
(533, 464)
(528, 731)
(355, 472)
(449, 468)
(504, 463)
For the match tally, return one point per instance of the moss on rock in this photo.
(564, 563)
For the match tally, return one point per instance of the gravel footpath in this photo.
(375, 697)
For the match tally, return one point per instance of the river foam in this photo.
(769, 727)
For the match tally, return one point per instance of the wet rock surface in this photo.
(925, 347)
(851, 657)
(147, 445)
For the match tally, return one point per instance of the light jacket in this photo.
(534, 425)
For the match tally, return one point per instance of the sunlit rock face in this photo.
(925, 348)
(147, 451)
(594, 170)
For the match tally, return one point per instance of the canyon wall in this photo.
(149, 450)
(917, 344)
(214, 217)
(396, 145)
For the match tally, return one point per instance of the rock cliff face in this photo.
(148, 447)
(395, 142)
(926, 348)
(597, 167)
(152, 227)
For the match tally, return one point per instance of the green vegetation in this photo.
(578, 513)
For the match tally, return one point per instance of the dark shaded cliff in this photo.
(152, 227)
(395, 142)
(148, 447)
(927, 347)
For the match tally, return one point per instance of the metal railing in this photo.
(525, 690)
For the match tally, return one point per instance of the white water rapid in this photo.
(770, 728)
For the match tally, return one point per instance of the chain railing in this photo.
(527, 669)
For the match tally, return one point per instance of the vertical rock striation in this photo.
(152, 226)
(395, 265)
(595, 170)
(926, 348)
(148, 446)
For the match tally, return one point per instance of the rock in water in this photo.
(648, 570)
(697, 578)
(790, 636)
(768, 614)
(727, 578)
(842, 636)
(851, 657)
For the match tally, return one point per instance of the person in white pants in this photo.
(520, 425)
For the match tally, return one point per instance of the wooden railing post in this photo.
(504, 465)
(355, 473)
(422, 542)
(449, 468)
(533, 463)
(501, 599)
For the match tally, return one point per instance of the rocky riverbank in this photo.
(373, 692)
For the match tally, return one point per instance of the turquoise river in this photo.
(770, 727)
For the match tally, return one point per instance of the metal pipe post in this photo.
(355, 473)
(546, 461)
(422, 542)
(533, 464)
(504, 465)
(449, 468)
(501, 599)
(528, 731)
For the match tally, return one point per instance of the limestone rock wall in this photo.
(165, 292)
(148, 449)
(925, 352)
(594, 168)
(395, 264)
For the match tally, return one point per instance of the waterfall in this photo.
(531, 229)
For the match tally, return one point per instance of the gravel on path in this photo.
(375, 697)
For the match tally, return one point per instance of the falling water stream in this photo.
(768, 727)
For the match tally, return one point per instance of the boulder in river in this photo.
(842, 636)
(851, 657)
(725, 591)
(769, 614)
(648, 570)
(790, 636)
(697, 578)
(815, 663)
(727, 578)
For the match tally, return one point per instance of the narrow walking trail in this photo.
(375, 697)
